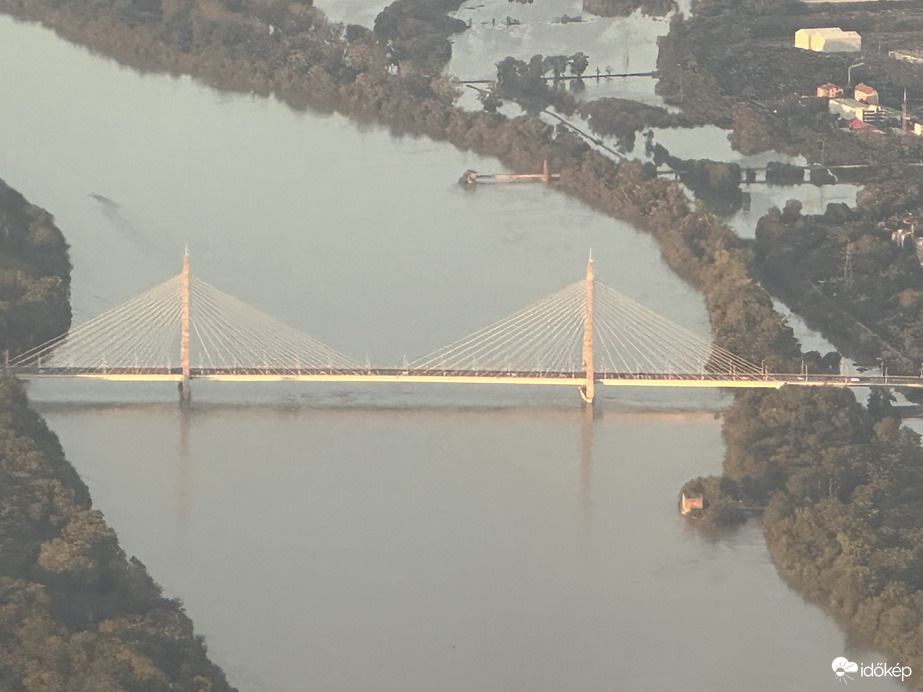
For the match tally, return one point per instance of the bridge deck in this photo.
(769, 381)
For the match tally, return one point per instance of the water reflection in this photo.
(185, 479)
(532, 539)
(814, 200)
(586, 461)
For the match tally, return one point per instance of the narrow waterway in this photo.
(378, 538)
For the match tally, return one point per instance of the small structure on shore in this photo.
(690, 503)
(470, 177)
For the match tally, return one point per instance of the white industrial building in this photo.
(828, 40)
(850, 109)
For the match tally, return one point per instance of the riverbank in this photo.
(34, 274)
(75, 612)
(840, 484)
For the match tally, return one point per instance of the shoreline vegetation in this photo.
(34, 275)
(76, 615)
(839, 482)
(838, 487)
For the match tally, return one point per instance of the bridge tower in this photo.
(185, 391)
(588, 391)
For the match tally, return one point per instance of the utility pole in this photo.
(588, 390)
(849, 72)
(847, 266)
(904, 113)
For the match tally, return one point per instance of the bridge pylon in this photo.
(588, 390)
(185, 391)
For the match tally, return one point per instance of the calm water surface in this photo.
(378, 538)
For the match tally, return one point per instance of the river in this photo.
(380, 538)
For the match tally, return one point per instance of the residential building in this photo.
(830, 90)
(865, 93)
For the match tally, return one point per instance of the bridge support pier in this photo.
(587, 401)
(185, 392)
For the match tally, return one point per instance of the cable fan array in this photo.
(225, 334)
(547, 337)
(630, 338)
(541, 338)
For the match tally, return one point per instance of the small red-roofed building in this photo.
(690, 503)
(865, 94)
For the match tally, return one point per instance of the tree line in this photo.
(34, 275)
(76, 615)
(839, 485)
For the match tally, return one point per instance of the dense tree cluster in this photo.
(623, 119)
(844, 274)
(623, 8)
(841, 486)
(716, 183)
(526, 83)
(75, 614)
(416, 31)
(34, 275)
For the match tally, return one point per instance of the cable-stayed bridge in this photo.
(584, 335)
